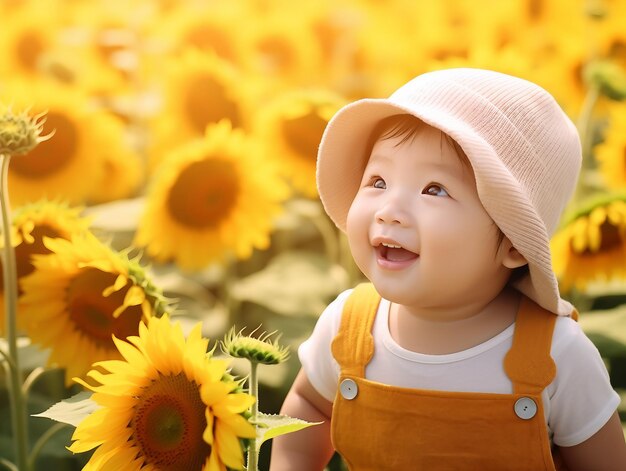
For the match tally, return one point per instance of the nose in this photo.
(392, 212)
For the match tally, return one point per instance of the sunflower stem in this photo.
(42, 440)
(8, 465)
(586, 138)
(329, 237)
(31, 378)
(9, 271)
(253, 390)
(8, 360)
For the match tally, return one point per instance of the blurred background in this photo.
(186, 136)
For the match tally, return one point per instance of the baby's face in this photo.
(417, 228)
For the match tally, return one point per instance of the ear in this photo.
(511, 258)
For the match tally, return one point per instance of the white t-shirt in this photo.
(577, 403)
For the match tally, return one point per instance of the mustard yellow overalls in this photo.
(380, 427)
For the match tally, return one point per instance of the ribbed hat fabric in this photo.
(524, 150)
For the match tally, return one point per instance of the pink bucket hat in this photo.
(524, 150)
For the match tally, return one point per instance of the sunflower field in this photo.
(158, 187)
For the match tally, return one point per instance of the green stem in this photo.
(253, 390)
(8, 360)
(8, 465)
(586, 139)
(9, 271)
(329, 236)
(43, 439)
(31, 378)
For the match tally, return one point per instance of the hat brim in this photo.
(341, 161)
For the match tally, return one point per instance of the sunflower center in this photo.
(28, 49)
(304, 133)
(50, 156)
(168, 424)
(92, 313)
(204, 193)
(207, 101)
(610, 238)
(24, 251)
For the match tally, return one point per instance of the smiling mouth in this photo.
(394, 253)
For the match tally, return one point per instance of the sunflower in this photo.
(560, 71)
(33, 222)
(79, 295)
(611, 152)
(122, 169)
(291, 127)
(29, 36)
(199, 89)
(592, 245)
(208, 29)
(66, 165)
(283, 48)
(212, 198)
(106, 45)
(168, 405)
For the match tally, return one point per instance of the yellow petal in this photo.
(120, 282)
(228, 446)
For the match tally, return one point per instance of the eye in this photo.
(379, 183)
(434, 189)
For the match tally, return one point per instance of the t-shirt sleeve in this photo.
(581, 398)
(315, 354)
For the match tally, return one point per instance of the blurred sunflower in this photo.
(167, 405)
(283, 48)
(33, 222)
(611, 152)
(29, 35)
(561, 72)
(208, 29)
(291, 127)
(610, 37)
(508, 59)
(199, 89)
(122, 171)
(212, 198)
(592, 246)
(66, 165)
(81, 294)
(105, 45)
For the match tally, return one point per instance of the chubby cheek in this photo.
(357, 230)
(462, 245)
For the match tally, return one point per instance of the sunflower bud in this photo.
(19, 132)
(259, 349)
(608, 77)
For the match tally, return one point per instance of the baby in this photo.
(460, 352)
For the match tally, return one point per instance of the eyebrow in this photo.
(380, 158)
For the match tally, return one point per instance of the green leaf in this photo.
(607, 330)
(116, 216)
(71, 411)
(271, 426)
(294, 283)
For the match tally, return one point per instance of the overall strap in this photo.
(528, 363)
(353, 346)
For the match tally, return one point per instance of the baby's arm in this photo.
(604, 451)
(309, 449)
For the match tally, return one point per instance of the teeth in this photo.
(385, 244)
